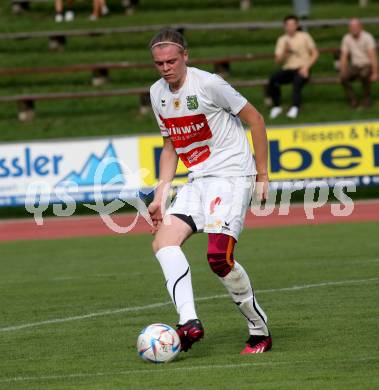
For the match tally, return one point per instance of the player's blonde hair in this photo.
(169, 36)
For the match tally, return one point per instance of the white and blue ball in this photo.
(158, 343)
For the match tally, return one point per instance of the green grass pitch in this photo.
(325, 331)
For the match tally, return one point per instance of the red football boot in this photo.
(257, 344)
(189, 333)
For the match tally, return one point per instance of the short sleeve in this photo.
(345, 44)
(158, 118)
(370, 42)
(279, 48)
(223, 95)
(310, 42)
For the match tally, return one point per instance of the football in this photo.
(158, 343)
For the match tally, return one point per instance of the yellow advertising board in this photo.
(150, 148)
(295, 153)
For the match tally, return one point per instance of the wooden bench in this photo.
(22, 5)
(325, 80)
(19, 6)
(100, 71)
(128, 4)
(58, 38)
(26, 103)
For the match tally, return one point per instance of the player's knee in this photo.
(220, 253)
(161, 240)
(218, 264)
(157, 244)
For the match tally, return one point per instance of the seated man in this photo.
(359, 45)
(297, 51)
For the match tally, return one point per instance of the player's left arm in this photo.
(255, 121)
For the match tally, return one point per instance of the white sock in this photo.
(238, 285)
(177, 273)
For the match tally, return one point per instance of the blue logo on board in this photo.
(108, 166)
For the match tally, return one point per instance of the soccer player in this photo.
(199, 117)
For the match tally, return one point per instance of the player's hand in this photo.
(374, 77)
(261, 188)
(155, 212)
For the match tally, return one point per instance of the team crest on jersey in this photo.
(192, 103)
(176, 103)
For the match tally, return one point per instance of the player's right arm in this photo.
(167, 167)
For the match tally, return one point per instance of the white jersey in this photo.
(200, 118)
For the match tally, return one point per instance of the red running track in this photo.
(63, 227)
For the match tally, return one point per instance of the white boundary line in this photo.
(158, 271)
(155, 370)
(162, 304)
